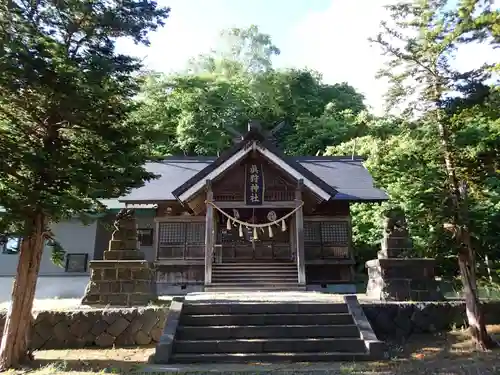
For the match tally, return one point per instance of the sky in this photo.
(330, 36)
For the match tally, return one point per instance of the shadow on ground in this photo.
(449, 353)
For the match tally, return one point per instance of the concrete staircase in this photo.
(211, 332)
(253, 276)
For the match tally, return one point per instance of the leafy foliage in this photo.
(65, 98)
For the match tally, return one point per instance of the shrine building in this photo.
(255, 219)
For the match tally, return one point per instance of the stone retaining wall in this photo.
(402, 319)
(106, 328)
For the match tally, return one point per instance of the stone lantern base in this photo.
(399, 279)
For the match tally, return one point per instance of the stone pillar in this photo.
(396, 275)
(124, 277)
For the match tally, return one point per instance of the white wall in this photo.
(48, 287)
(74, 236)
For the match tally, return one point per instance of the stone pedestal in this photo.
(396, 276)
(398, 279)
(124, 277)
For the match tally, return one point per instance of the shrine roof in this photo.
(343, 174)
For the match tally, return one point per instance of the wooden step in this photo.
(259, 277)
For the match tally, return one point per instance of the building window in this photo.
(181, 240)
(10, 244)
(76, 262)
(326, 239)
(145, 236)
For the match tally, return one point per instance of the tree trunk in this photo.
(14, 348)
(466, 256)
(475, 316)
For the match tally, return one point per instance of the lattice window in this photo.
(196, 233)
(335, 232)
(184, 240)
(312, 231)
(326, 239)
(172, 233)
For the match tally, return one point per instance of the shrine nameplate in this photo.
(254, 185)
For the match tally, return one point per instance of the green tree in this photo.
(420, 43)
(65, 136)
(194, 112)
(239, 50)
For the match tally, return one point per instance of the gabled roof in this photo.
(345, 174)
(253, 141)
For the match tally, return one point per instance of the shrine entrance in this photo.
(235, 243)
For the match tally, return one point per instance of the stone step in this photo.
(265, 319)
(203, 308)
(269, 357)
(268, 331)
(271, 345)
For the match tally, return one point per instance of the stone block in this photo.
(124, 274)
(156, 334)
(123, 255)
(141, 274)
(140, 299)
(115, 245)
(96, 274)
(80, 326)
(396, 243)
(127, 286)
(134, 326)
(117, 299)
(149, 318)
(142, 338)
(104, 340)
(36, 341)
(110, 274)
(395, 253)
(44, 329)
(125, 339)
(118, 326)
(99, 327)
(125, 234)
(61, 331)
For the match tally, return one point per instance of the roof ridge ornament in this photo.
(255, 127)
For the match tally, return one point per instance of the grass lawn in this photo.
(446, 353)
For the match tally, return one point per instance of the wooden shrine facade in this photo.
(253, 204)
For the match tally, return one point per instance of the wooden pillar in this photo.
(299, 236)
(209, 234)
(157, 240)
